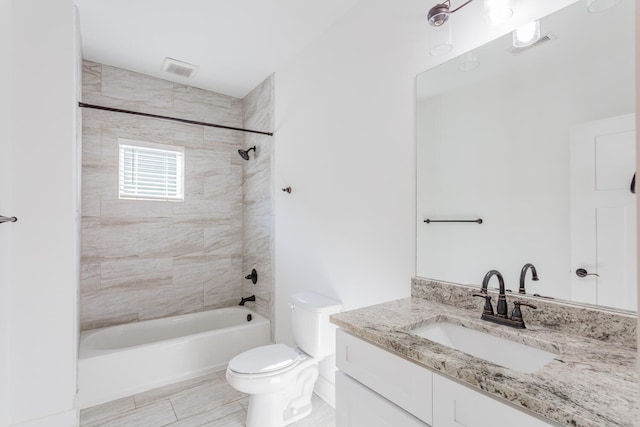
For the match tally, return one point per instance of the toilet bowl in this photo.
(279, 379)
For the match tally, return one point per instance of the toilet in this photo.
(279, 379)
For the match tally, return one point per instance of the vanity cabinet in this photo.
(405, 384)
(461, 406)
(359, 406)
(379, 389)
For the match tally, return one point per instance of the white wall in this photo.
(5, 205)
(638, 140)
(345, 126)
(43, 274)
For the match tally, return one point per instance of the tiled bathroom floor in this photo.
(203, 401)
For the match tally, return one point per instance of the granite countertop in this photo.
(590, 383)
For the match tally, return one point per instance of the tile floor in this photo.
(203, 401)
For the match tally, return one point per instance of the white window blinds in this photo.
(151, 171)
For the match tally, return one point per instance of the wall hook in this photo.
(7, 219)
(287, 190)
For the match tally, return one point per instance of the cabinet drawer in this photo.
(458, 406)
(358, 406)
(400, 381)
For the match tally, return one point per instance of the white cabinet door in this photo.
(455, 405)
(359, 406)
(402, 382)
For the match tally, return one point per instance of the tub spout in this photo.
(251, 298)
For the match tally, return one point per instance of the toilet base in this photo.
(285, 407)
(265, 410)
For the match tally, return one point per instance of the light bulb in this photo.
(440, 40)
(497, 11)
(527, 34)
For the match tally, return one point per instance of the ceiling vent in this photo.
(544, 39)
(179, 68)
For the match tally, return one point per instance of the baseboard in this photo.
(326, 391)
(64, 419)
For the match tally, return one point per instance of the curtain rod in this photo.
(155, 116)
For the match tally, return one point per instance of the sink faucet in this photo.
(500, 316)
(501, 308)
(534, 276)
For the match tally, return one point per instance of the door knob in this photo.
(581, 272)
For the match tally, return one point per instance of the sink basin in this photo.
(503, 352)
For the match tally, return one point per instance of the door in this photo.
(603, 212)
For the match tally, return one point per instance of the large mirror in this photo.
(538, 143)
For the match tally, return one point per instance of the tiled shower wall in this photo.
(150, 259)
(258, 215)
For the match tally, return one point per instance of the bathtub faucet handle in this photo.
(253, 276)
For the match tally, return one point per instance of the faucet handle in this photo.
(488, 308)
(516, 314)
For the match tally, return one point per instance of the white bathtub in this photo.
(122, 360)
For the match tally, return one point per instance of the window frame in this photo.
(180, 170)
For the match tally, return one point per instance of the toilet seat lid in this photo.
(268, 358)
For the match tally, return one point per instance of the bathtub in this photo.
(122, 360)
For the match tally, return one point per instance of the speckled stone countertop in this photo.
(590, 383)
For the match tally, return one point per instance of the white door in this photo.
(603, 212)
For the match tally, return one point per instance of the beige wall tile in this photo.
(172, 133)
(147, 259)
(109, 307)
(222, 240)
(109, 242)
(172, 300)
(257, 211)
(122, 85)
(91, 80)
(170, 241)
(90, 277)
(136, 273)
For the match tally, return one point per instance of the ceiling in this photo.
(236, 43)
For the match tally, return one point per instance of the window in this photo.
(150, 171)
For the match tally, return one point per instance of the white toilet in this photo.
(280, 379)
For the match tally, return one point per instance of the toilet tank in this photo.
(312, 331)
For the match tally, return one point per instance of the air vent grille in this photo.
(544, 39)
(179, 68)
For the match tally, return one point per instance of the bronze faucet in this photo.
(534, 276)
(500, 316)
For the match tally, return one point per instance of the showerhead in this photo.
(245, 153)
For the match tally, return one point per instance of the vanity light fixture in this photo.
(527, 35)
(495, 12)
